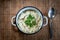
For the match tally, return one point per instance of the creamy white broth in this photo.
(25, 28)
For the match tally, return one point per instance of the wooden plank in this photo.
(10, 8)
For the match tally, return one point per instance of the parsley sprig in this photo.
(30, 21)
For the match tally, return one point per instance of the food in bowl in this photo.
(29, 21)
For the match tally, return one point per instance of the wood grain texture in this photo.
(9, 8)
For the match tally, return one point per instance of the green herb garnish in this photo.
(30, 21)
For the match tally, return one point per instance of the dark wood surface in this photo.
(9, 8)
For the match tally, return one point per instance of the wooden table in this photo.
(9, 8)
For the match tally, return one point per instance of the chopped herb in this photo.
(34, 22)
(30, 21)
